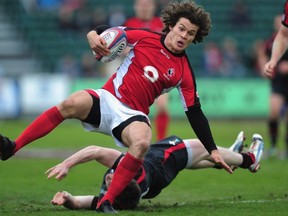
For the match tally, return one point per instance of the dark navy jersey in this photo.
(162, 163)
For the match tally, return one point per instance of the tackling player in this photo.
(162, 163)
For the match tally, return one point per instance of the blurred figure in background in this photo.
(68, 65)
(99, 16)
(232, 59)
(240, 15)
(117, 16)
(280, 44)
(255, 58)
(67, 15)
(89, 67)
(212, 60)
(279, 88)
(145, 17)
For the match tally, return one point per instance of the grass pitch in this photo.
(26, 191)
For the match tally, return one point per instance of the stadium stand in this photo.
(41, 32)
(15, 55)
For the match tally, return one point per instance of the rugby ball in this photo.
(116, 40)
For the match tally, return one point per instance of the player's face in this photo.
(181, 35)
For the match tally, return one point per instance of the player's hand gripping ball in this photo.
(116, 40)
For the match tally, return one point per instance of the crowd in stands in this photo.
(218, 58)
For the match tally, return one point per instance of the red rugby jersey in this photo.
(154, 24)
(149, 70)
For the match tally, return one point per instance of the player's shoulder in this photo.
(171, 140)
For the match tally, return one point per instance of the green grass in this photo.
(26, 191)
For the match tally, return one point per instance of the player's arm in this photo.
(200, 125)
(73, 202)
(104, 156)
(280, 45)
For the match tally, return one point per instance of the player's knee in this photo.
(141, 146)
(67, 108)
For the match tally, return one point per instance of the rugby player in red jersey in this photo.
(156, 64)
(145, 16)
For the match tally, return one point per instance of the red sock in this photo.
(248, 160)
(125, 172)
(41, 126)
(161, 123)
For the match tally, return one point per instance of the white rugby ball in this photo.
(116, 40)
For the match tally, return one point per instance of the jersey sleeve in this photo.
(188, 87)
(201, 127)
(192, 107)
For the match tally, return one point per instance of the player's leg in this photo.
(76, 106)
(137, 137)
(251, 159)
(276, 103)
(162, 117)
(69, 201)
(201, 158)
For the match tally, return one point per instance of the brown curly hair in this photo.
(190, 10)
(129, 198)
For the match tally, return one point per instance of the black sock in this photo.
(273, 132)
(247, 160)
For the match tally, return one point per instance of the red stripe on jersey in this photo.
(142, 176)
(285, 14)
(92, 92)
(172, 149)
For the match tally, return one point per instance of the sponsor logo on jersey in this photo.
(174, 142)
(171, 72)
(165, 54)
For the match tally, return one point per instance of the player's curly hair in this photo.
(129, 198)
(190, 10)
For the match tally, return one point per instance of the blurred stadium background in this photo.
(44, 54)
